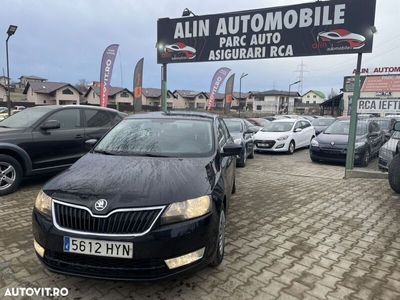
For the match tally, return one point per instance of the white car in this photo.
(284, 135)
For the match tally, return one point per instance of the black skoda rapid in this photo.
(147, 202)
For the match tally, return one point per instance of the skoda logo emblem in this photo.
(100, 204)
(332, 143)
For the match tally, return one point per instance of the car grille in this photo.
(130, 222)
(264, 144)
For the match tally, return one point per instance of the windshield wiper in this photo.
(105, 152)
(151, 155)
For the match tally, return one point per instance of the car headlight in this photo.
(314, 143)
(359, 144)
(43, 203)
(283, 138)
(237, 141)
(186, 210)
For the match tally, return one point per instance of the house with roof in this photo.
(244, 100)
(187, 99)
(116, 95)
(4, 80)
(24, 79)
(3, 93)
(152, 97)
(313, 97)
(274, 101)
(50, 93)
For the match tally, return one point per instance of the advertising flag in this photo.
(137, 85)
(107, 64)
(216, 83)
(229, 92)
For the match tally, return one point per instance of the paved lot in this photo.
(296, 230)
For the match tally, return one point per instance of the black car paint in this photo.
(333, 147)
(46, 151)
(129, 181)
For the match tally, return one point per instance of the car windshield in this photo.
(322, 122)
(278, 127)
(385, 124)
(233, 125)
(343, 128)
(25, 118)
(159, 137)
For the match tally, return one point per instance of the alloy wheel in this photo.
(221, 233)
(7, 175)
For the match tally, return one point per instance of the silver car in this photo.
(388, 151)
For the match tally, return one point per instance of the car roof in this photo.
(287, 120)
(54, 107)
(175, 114)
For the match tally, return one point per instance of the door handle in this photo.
(79, 136)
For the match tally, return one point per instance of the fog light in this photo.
(280, 146)
(186, 259)
(39, 249)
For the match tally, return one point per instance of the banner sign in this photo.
(107, 64)
(315, 28)
(382, 85)
(379, 70)
(373, 106)
(229, 92)
(138, 85)
(216, 83)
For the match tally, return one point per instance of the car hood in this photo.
(127, 181)
(6, 131)
(338, 139)
(261, 135)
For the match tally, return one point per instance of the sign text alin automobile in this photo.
(318, 28)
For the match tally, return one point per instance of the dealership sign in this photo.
(381, 85)
(371, 106)
(316, 28)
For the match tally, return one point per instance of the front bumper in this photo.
(335, 155)
(149, 251)
(278, 146)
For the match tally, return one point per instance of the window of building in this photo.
(308, 96)
(67, 92)
(124, 95)
(259, 107)
(315, 102)
(307, 102)
(200, 105)
(314, 96)
(201, 96)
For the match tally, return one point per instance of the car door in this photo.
(227, 164)
(248, 137)
(62, 146)
(308, 131)
(374, 137)
(298, 135)
(98, 122)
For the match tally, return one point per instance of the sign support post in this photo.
(353, 119)
(164, 90)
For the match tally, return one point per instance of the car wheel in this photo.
(10, 174)
(251, 155)
(292, 147)
(242, 160)
(366, 158)
(394, 174)
(309, 145)
(220, 247)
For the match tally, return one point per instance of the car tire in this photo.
(251, 155)
(366, 158)
(292, 148)
(394, 174)
(10, 174)
(220, 247)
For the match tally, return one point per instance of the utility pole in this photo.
(301, 70)
(164, 90)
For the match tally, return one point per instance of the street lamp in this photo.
(187, 12)
(11, 30)
(240, 89)
(290, 85)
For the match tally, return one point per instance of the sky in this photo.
(64, 40)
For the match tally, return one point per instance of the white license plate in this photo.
(99, 248)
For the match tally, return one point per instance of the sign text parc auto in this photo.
(317, 28)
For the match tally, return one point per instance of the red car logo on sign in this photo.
(181, 49)
(342, 36)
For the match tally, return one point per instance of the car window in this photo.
(25, 118)
(298, 125)
(97, 118)
(222, 137)
(226, 131)
(68, 118)
(375, 127)
(234, 125)
(306, 124)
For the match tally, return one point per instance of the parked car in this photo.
(149, 201)
(331, 145)
(242, 134)
(386, 125)
(389, 150)
(321, 124)
(394, 167)
(259, 122)
(46, 139)
(284, 135)
(19, 107)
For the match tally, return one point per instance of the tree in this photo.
(333, 93)
(82, 85)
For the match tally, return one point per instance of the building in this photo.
(3, 93)
(116, 95)
(24, 79)
(243, 100)
(186, 99)
(333, 106)
(152, 97)
(274, 101)
(313, 97)
(50, 93)
(4, 80)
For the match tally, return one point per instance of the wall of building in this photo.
(40, 99)
(312, 98)
(64, 99)
(3, 94)
(120, 99)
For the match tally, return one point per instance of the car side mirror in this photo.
(396, 126)
(298, 130)
(231, 149)
(50, 124)
(252, 130)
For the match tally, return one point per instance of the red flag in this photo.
(107, 64)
